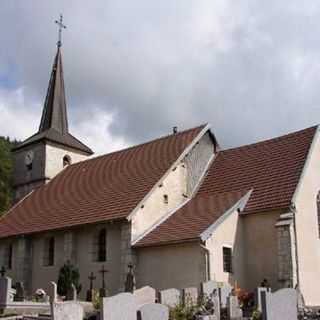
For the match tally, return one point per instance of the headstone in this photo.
(207, 317)
(224, 293)
(53, 294)
(69, 310)
(145, 295)
(257, 298)
(216, 303)
(19, 292)
(5, 288)
(190, 296)
(169, 297)
(233, 309)
(281, 305)
(122, 306)
(153, 311)
(207, 288)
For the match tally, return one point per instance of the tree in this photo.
(68, 275)
(6, 169)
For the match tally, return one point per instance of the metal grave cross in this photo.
(3, 271)
(91, 278)
(61, 26)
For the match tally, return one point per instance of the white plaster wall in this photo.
(307, 229)
(54, 158)
(230, 234)
(176, 266)
(154, 208)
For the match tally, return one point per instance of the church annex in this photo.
(178, 208)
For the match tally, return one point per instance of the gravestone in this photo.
(53, 294)
(153, 311)
(224, 293)
(169, 297)
(121, 306)
(216, 303)
(6, 291)
(207, 288)
(257, 297)
(281, 305)
(74, 292)
(19, 292)
(69, 310)
(145, 295)
(190, 296)
(233, 309)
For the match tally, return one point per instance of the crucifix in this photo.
(61, 26)
(90, 291)
(3, 271)
(91, 278)
(103, 289)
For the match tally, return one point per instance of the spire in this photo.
(54, 115)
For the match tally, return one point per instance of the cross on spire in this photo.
(61, 26)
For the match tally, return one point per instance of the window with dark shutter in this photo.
(227, 259)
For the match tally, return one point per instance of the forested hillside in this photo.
(6, 166)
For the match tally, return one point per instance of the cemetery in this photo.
(212, 301)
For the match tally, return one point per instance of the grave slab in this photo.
(121, 306)
(145, 295)
(170, 297)
(153, 311)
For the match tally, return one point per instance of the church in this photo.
(179, 208)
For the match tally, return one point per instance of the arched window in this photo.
(318, 212)
(66, 160)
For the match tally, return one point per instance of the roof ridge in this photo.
(269, 140)
(139, 145)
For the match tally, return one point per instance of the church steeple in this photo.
(54, 115)
(54, 121)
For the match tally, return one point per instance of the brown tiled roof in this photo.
(272, 168)
(104, 188)
(187, 223)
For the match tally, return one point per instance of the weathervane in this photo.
(61, 26)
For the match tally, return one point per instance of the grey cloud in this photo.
(250, 68)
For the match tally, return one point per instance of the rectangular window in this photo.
(48, 251)
(227, 259)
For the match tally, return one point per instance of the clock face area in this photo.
(29, 158)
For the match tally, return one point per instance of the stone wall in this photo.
(197, 161)
(285, 251)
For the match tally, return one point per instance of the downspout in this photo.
(207, 262)
(294, 211)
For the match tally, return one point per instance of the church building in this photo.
(179, 208)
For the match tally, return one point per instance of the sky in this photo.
(135, 69)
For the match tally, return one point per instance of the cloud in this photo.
(249, 68)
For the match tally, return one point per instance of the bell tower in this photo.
(43, 155)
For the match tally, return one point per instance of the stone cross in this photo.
(3, 271)
(61, 26)
(103, 288)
